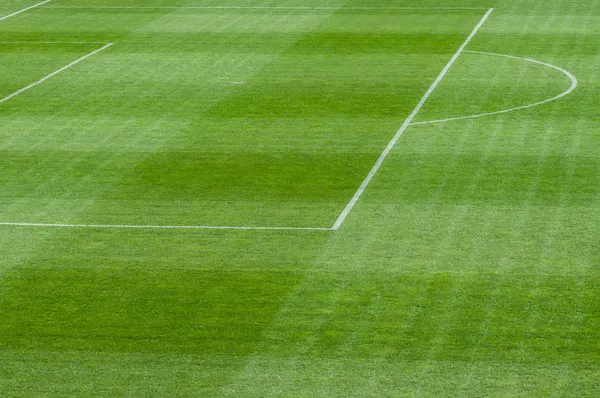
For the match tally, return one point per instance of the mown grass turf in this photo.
(468, 268)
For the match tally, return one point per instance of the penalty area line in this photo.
(24, 9)
(52, 42)
(340, 220)
(517, 108)
(54, 73)
(117, 226)
(265, 8)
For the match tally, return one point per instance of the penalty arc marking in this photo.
(564, 93)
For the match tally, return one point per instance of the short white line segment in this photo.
(340, 220)
(24, 9)
(567, 92)
(117, 226)
(54, 73)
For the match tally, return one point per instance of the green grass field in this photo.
(468, 267)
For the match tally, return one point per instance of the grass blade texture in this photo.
(468, 268)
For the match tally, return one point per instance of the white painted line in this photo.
(52, 42)
(54, 73)
(116, 226)
(23, 10)
(405, 125)
(567, 92)
(266, 8)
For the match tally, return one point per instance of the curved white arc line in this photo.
(567, 92)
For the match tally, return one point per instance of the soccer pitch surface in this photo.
(300, 198)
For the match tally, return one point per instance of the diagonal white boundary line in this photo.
(338, 223)
(54, 73)
(265, 8)
(567, 92)
(117, 226)
(24, 9)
